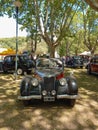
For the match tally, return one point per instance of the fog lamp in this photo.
(44, 92)
(53, 92)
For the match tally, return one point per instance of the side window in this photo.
(14, 58)
(7, 59)
(91, 60)
(96, 60)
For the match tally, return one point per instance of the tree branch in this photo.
(93, 4)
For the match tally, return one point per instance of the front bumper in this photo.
(65, 96)
(29, 97)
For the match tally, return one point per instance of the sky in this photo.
(8, 28)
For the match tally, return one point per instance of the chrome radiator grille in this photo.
(49, 83)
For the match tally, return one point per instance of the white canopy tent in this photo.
(85, 53)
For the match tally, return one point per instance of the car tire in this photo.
(71, 102)
(25, 73)
(29, 71)
(81, 67)
(89, 70)
(19, 71)
(4, 70)
(26, 102)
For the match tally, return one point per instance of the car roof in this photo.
(17, 55)
(95, 57)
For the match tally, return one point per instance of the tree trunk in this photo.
(52, 51)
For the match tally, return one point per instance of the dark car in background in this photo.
(75, 62)
(48, 83)
(24, 64)
(1, 61)
(92, 66)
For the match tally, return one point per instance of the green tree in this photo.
(11, 42)
(90, 18)
(93, 4)
(53, 18)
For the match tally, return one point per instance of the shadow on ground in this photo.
(49, 116)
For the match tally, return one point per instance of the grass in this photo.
(49, 116)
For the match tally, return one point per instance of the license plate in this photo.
(49, 99)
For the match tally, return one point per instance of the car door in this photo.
(96, 65)
(92, 65)
(7, 63)
(13, 61)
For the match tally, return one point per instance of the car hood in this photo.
(48, 72)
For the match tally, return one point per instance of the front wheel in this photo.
(81, 67)
(19, 71)
(89, 70)
(4, 70)
(26, 102)
(71, 102)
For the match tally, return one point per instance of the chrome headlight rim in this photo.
(62, 81)
(34, 82)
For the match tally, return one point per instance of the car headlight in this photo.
(34, 82)
(62, 81)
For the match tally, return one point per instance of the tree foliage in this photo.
(55, 21)
(11, 42)
(49, 19)
(93, 4)
(90, 23)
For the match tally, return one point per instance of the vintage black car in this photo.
(48, 83)
(24, 64)
(1, 61)
(75, 62)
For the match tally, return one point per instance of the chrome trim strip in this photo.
(68, 96)
(29, 97)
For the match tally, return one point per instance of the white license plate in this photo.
(49, 99)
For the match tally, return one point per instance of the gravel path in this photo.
(49, 116)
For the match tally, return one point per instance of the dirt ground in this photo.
(49, 116)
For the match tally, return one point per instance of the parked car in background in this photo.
(75, 62)
(1, 61)
(48, 83)
(92, 66)
(24, 64)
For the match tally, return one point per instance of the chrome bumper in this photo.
(68, 96)
(29, 97)
(40, 97)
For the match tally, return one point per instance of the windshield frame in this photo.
(49, 63)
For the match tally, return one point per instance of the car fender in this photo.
(25, 85)
(72, 85)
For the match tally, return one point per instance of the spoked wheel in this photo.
(19, 71)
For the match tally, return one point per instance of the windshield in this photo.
(77, 57)
(24, 58)
(49, 63)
